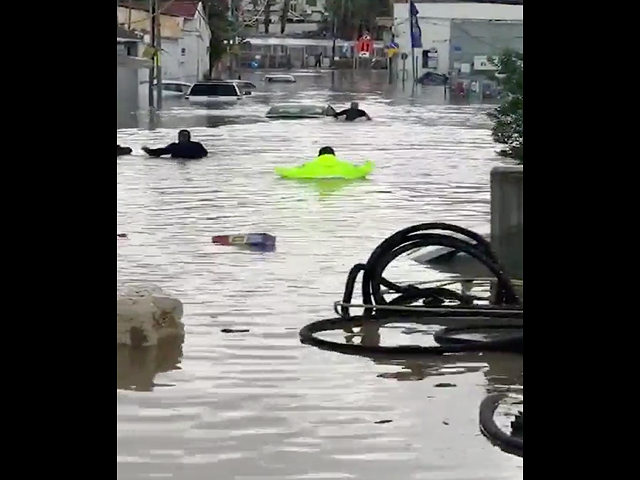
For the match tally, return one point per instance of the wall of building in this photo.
(437, 22)
(185, 43)
(140, 20)
(130, 75)
(474, 38)
(193, 54)
(127, 99)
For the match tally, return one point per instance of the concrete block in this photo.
(507, 218)
(146, 315)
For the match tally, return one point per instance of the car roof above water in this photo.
(215, 88)
(300, 111)
(280, 79)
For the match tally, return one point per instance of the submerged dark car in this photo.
(433, 78)
(297, 112)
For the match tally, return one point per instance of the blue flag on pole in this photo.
(416, 30)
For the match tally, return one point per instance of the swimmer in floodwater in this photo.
(184, 149)
(326, 151)
(123, 151)
(353, 113)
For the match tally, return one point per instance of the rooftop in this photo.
(123, 35)
(177, 8)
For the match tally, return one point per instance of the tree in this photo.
(284, 19)
(508, 118)
(268, 9)
(221, 29)
(354, 16)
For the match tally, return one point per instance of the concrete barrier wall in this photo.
(127, 97)
(507, 218)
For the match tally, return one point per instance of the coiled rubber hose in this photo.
(413, 238)
(504, 316)
(379, 311)
(507, 443)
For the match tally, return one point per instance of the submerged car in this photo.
(297, 112)
(172, 88)
(280, 79)
(215, 92)
(247, 88)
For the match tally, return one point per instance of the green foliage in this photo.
(221, 29)
(508, 118)
(352, 16)
(285, 16)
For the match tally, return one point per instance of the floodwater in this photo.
(259, 405)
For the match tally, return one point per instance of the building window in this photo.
(430, 59)
(183, 52)
(312, 3)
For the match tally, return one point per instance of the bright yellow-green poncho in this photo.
(327, 167)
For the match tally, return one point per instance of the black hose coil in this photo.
(505, 315)
(511, 444)
(413, 238)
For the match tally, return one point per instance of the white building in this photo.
(186, 36)
(131, 71)
(456, 34)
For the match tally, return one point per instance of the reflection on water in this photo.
(257, 404)
(138, 367)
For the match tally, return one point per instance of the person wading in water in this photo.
(184, 149)
(353, 113)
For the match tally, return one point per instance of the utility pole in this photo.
(334, 51)
(152, 68)
(158, 48)
(234, 59)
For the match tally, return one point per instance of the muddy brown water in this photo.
(258, 405)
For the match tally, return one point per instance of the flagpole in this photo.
(413, 64)
(416, 38)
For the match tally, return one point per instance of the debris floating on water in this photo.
(253, 241)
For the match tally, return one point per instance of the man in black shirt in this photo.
(123, 151)
(353, 113)
(184, 149)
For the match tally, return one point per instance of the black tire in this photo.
(309, 336)
(491, 430)
(513, 341)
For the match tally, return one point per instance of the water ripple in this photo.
(258, 405)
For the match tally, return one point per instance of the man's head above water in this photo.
(184, 136)
(327, 151)
(355, 106)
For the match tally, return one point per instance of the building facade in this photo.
(457, 36)
(186, 36)
(131, 71)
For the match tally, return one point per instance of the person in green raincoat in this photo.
(327, 166)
